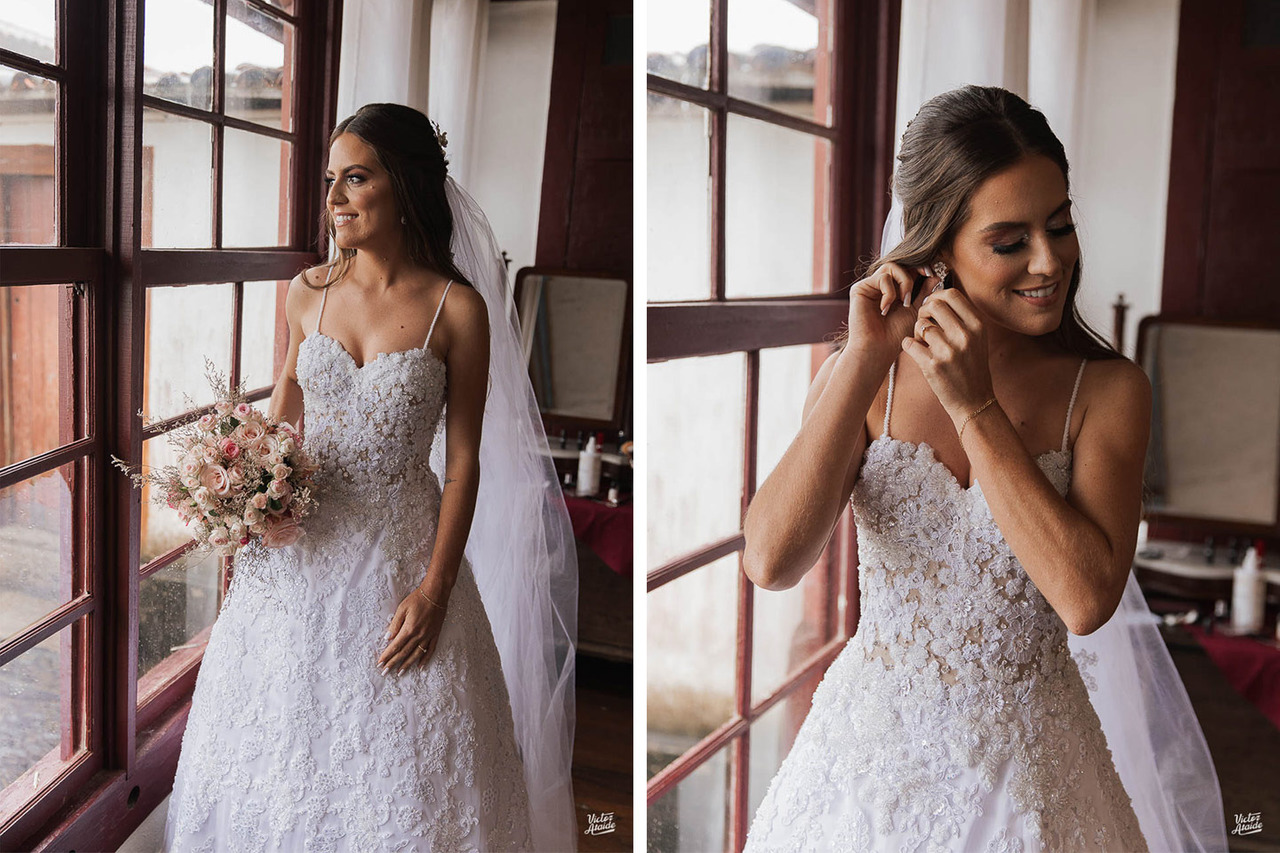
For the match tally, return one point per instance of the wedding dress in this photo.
(956, 718)
(295, 740)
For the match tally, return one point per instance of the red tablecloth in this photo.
(606, 530)
(1252, 668)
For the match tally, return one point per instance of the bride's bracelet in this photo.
(973, 414)
(418, 589)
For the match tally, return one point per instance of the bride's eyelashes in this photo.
(356, 179)
(1010, 248)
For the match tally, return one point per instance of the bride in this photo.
(401, 676)
(997, 695)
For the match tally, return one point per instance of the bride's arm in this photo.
(792, 515)
(1077, 551)
(286, 397)
(466, 323)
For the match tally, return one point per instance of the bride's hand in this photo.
(950, 346)
(879, 315)
(413, 633)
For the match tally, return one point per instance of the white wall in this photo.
(1120, 180)
(515, 93)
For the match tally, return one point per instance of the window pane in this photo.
(772, 737)
(692, 633)
(259, 66)
(785, 376)
(789, 627)
(36, 555)
(177, 182)
(776, 217)
(255, 210)
(175, 604)
(678, 35)
(28, 158)
(289, 6)
(694, 815)
(161, 529)
(185, 325)
(260, 334)
(38, 407)
(779, 56)
(696, 425)
(34, 688)
(177, 49)
(679, 215)
(29, 28)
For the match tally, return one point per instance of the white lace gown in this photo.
(956, 718)
(295, 740)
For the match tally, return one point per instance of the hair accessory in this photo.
(441, 136)
(971, 415)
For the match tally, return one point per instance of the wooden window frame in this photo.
(863, 95)
(131, 751)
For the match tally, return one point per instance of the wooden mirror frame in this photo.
(1193, 528)
(622, 385)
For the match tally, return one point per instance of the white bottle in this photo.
(1248, 590)
(589, 469)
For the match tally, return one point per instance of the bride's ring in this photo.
(424, 651)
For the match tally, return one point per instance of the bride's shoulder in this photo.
(303, 296)
(1115, 389)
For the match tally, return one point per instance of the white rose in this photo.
(253, 515)
(222, 408)
(279, 489)
(203, 497)
(219, 537)
(287, 445)
(250, 431)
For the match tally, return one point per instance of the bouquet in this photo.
(240, 475)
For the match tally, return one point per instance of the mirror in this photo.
(1214, 453)
(575, 329)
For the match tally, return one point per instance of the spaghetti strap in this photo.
(439, 308)
(1066, 429)
(324, 292)
(888, 403)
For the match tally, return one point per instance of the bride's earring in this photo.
(941, 271)
(403, 221)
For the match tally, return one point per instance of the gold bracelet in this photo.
(971, 415)
(418, 589)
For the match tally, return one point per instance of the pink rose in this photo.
(281, 471)
(259, 501)
(253, 515)
(206, 423)
(191, 464)
(235, 473)
(210, 453)
(242, 411)
(230, 449)
(215, 479)
(203, 497)
(222, 408)
(282, 530)
(250, 431)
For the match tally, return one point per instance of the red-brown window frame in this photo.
(863, 95)
(132, 751)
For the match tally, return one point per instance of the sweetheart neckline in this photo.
(379, 357)
(955, 481)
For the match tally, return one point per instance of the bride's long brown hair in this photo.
(405, 143)
(955, 142)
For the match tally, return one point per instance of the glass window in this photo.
(185, 326)
(28, 157)
(177, 49)
(677, 40)
(691, 634)
(696, 409)
(177, 178)
(679, 202)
